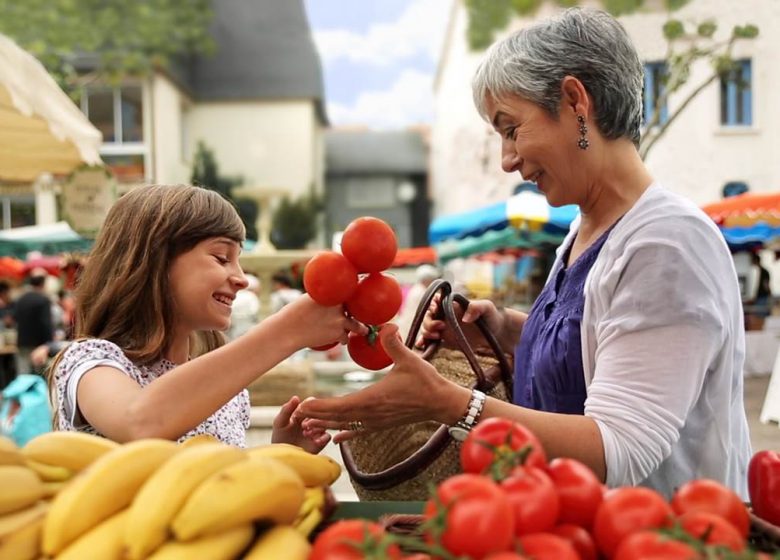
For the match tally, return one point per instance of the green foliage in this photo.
(707, 29)
(673, 5)
(621, 7)
(205, 173)
(126, 37)
(485, 17)
(745, 31)
(294, 222)
(673, 29)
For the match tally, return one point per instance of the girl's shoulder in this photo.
(93, 349)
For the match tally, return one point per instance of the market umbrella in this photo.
(41, 129)
(747, 219)
(49, 239)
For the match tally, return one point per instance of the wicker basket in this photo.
(276, 386)
(764, 536)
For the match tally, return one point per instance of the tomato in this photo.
(354, 539)
(544, 546)
(376, 300)
(473, 516)
(625, 511)
(712, 497)
(579, 538)
(329, 278)
(764, 485)
(649, 545)
(534, 500)
(369, 244)
(367, 350)
(325, 346)
(717, 530)
(497, 440)
(580, 491)
(506, 556)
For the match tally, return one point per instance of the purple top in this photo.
(548, 359)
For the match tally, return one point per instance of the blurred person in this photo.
(6, 305)
(283, 291)
(631, 358)
(34, 320)
(246, 308)
(154, 298)
(424, 275)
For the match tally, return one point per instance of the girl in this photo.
(152, 299)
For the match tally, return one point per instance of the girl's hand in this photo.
(411, 392)
(311, 324)
(287, 429)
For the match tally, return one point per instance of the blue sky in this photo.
(378, 58)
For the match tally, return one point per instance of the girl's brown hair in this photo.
(124, 294)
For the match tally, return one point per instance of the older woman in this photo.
(631, 358)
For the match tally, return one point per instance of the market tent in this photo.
(41, 129)
(49, 239)
(527, 210)
(747, 219)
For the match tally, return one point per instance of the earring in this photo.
(582, 143)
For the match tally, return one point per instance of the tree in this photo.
(294, 222)
(685, 47)
(205, 173)
(122, 38)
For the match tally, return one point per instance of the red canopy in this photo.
(745, 209)
(414, 256)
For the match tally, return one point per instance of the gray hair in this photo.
(585, 43)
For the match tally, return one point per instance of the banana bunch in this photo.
(69, 496)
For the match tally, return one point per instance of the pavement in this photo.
(762, 436)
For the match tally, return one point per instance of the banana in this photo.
(20, 533)
(255, 489)
(108, 486)
(9, 452)
(309, 522)
(315, 470)
(72, 450)
(222, 546)
(197, 439)
(314, 498)
(104, 541)
(50, 473)
(279, 542)
(20, 486)
(166, 490)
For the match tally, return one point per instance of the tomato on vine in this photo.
(367, 350)
(369, 244)
(376, 299)
(329, 278)
(354, 539)
(498, 444)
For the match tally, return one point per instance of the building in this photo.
(381, 174)
(728, 133)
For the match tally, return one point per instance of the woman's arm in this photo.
(181, 399)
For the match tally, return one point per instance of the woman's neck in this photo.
(178, 351)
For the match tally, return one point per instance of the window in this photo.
(118, 113)
(371, 192)
(655, 85)
(17, 211)
(736, 103)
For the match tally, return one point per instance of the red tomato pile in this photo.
(512, 504)
(354, 279)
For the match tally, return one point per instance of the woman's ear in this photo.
(574, 97)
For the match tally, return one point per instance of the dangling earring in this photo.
(582, 143)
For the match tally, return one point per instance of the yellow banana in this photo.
(166, 490)
(20, 533)
(198, 439)
(314, 498)
(50, 473)
(222, 546)
(281, 541)
(309, 522)
(108, 486)
(72, 450)
(255, 489)
(19, 488)
(10, 454)
(104, 541)
(314, 470)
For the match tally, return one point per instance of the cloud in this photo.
(414, 33)
(408, 101)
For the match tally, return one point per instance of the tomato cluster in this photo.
(512, 504)
(354, 279)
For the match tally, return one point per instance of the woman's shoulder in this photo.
(90, 349)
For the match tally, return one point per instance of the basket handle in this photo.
(438, 442)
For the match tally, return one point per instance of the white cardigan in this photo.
(663, 346)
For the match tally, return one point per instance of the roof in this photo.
(375, 152)
(264, 49)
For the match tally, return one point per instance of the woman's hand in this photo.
(411, 392)
(311, 324)
(287, 429)
(505, 324)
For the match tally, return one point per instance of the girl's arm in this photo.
(184, 397)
